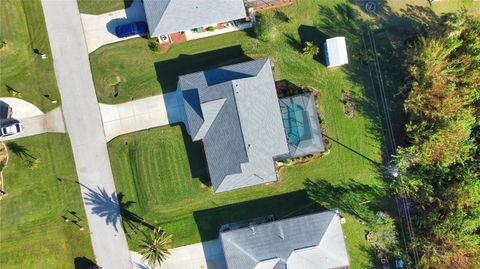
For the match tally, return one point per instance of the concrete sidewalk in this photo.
(205, 255)
(85, 128)
(140, 114)
(100, 29)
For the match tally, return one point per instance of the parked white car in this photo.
(11, 129)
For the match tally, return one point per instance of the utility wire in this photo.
(377, 69)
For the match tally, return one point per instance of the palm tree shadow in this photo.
(114, 209)
(19, 150)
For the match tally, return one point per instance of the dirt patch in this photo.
(348, 104)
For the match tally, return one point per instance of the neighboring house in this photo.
(235, 112)
(173, 20)
(336, 51)
(313, 241)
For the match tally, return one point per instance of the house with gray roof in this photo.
(235, 112)
(166, 17)
(314, 241)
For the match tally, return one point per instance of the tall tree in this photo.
(444, 83)
(155, 247)
(440, 168)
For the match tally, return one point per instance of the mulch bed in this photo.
(348, 104)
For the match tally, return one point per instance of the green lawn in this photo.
(134, 71)
(32, 231)
(23, 29)
(102, 6)
(162, 172)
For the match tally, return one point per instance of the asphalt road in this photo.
(84, 125)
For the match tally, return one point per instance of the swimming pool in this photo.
(295, 121)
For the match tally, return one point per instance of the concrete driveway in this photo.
(32, 118)
(52, 122)
(21, 109)
(205, 255)
(140, 114)
(99, 30)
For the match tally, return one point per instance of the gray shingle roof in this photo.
(234, 110)
(313, 241)
(170, 16)
(302, 126)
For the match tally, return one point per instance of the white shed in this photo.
(336, 51)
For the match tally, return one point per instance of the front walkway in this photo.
(205, 255)
(85, 129)
(99, 30)
(191, 35)
(140, 114)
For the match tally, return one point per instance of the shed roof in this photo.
(234, 110)
(313, 241)
(336, 51)
(170, 16)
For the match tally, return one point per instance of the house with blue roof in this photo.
(234, 111)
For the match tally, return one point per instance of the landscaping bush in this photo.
(264, 28)
(210, 28)
(154, 46)
(310, 49)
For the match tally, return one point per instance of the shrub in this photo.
(264, 28)
(310, 49)
(154, 46)
(210, 28)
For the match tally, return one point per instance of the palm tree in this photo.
(155, 247)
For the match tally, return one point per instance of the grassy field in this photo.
(102, 6)
(23, 29)
(33, 233)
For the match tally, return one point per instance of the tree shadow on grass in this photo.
(281, 206)
(352, 197)
(308, 33)
(375, 51)
(83, 263)
(113, 207)
(21, 151)
(168, 71)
